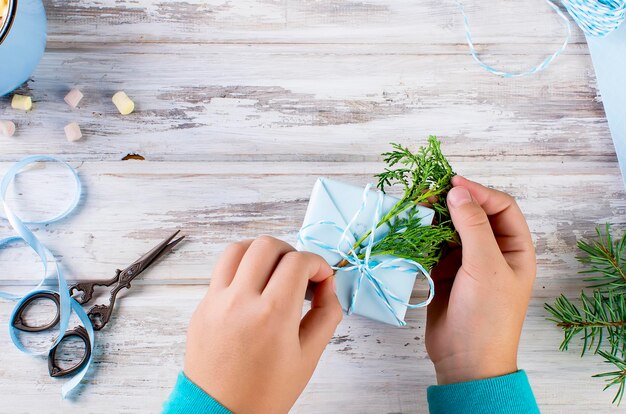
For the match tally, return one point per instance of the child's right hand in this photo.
(248, 345)
(483, 289)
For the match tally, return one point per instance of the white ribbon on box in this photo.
(377, 287)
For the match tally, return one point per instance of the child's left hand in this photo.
(248, 345)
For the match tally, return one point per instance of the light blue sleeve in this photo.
(508, 394)
(187, 397)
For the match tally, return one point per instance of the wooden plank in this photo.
(293, 21)
(130, 206)
(276, 102)
(367, 368)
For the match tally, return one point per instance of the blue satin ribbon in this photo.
(594, 17)
(24, 234)
(367, 266)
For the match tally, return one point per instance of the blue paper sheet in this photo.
(609, 60)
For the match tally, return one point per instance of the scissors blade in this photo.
(168, 248)
(153, 255)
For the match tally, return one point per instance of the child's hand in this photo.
(248, 345)
(483, 289)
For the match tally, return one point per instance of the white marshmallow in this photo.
(72, 132)
(7, 128)
(73, 98)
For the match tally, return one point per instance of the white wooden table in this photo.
(241, 105)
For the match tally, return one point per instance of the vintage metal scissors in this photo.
(99, 315)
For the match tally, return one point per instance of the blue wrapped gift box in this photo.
(334, 206)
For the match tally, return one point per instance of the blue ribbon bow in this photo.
(367, 266)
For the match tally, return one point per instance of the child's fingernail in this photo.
(334, 284)
(459, 196)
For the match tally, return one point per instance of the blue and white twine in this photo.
(367, 266)
(597, 18)
(594, 17)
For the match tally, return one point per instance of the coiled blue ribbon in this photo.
(367, 266)
(24, 234)
(595, 18)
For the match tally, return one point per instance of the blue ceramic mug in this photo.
(22, 41)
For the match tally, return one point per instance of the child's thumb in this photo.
(478, 241)
(319, 324)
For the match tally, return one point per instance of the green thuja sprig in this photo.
(424, 175)
(410, 239)
(600, 319)
(425, 178)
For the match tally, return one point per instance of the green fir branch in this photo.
(600, 319)
(614, 378)
(605, 260)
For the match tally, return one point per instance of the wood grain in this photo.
(129, 206)
(273, 102)
(241, 105)
(138, 356)
(293, 21)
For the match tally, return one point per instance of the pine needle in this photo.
(600, 320)
(602, 317)
(605, 259)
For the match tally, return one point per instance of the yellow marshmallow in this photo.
(22, 102)
(123, 103)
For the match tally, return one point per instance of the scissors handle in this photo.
(79, 332)
(83, 291)
(99, 315)
(53, 368)
(18, 320)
